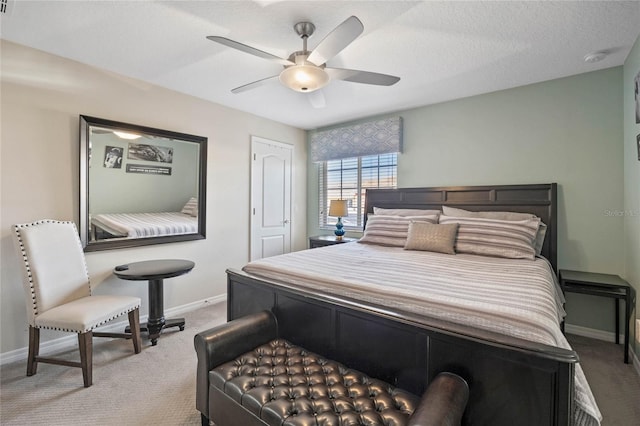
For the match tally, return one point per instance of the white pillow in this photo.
(453, 211)
(542, 230)
(191, 208)
(513, 239)
(404, 212)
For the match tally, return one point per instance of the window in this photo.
(348, 179)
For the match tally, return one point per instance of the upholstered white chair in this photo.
(58, 292)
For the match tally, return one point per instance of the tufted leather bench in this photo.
(275, 382)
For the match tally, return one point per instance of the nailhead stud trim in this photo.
(17, 229)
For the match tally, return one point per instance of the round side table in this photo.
(155, 271)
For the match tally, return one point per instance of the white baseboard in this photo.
(70, 340)
(635, 361)
(172, 312)
(606, 336)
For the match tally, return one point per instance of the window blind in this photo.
(348, 179)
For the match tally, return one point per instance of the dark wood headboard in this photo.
(539, 199)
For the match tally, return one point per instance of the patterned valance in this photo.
(371, 138)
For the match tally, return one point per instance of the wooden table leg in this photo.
(617, 305)
(175, 322)
(627, 318)
(156, 321)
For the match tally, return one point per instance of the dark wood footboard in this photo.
(512, 381)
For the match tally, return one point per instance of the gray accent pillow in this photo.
(512, 239)
(389, 230)
(542, 230)
(430, 237)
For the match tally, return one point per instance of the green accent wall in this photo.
(114, 190)
(568, 131)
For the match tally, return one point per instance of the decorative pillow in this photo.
(453, 211)
(542, 230)
(191, 208)
(429, 237)
(514, 239)
(404, 212)
(539, 242)
(388, 230)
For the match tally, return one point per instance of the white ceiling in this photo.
(442, 50)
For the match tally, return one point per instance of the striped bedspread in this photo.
(515, 297)
(136, 225)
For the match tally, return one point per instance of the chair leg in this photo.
(34, 349)
(134, 326)
(85, 343)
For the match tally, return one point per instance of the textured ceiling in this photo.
(442, 50)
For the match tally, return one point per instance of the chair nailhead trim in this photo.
(34, 306)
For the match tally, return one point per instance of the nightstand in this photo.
(328, 240)
(604, 285)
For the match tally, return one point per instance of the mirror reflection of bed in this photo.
(148, 202)
(143, 185)
(142, 225)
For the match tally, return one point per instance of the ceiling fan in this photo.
(306, 71)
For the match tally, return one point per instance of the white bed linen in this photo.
(137, 225)
(515, 297)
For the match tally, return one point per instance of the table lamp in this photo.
(338, 208)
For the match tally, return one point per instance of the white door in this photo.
(270, 198)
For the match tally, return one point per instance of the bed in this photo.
(405, 330)
(141, 225)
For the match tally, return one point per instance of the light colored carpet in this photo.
(154, 387)
(615, 385)
(157, 386)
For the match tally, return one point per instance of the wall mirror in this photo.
(140, 185)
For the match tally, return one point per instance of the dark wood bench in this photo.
(247, 375)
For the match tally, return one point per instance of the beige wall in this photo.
(42, 97)
(567, 131)
(632, 178)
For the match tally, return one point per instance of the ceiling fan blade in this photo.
(364, 77)
(250, 50)
(317, 99)
(254, 85)
(336, 40)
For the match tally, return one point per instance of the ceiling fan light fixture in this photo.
(304, 78)
(594, 57)
(305, 71)
(126, 135)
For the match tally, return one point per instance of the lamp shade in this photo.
(304, 78)
(338, 208)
